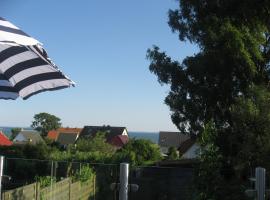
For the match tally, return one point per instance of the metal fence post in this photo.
(1, 174)
(260, 183)
(124, 171)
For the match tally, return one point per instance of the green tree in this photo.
(14, 132)
(233, 44)
(225, 82)
(251, 131)
(96, 143)
(139, 152)
(44, 122)
(208, 173)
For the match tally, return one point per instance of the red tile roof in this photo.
(119, 140)
(53, 134)
(69, 130)
(4, 141)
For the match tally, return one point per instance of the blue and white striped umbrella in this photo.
(25, 68)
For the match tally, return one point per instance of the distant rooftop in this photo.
(111, 131)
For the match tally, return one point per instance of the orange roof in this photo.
(69, 130)
(4, 141)
(53, 134)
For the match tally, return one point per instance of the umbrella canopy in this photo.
(25, 68)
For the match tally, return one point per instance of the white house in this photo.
(189, 149)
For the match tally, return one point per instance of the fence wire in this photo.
(47, 179)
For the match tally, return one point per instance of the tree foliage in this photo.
(172, 153)
(139, 152)
(96, 143)
(208, 172)
(85, 173)
(44, 122)
(250, 136)
(233, 55)
(225, 82)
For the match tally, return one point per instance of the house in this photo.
(54, 134)
(28, 137)
(170, 139)
(119, 141)
(65, 139)
(189, 149)
(112, 134)
(4, 141)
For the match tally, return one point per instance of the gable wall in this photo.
(19, 138)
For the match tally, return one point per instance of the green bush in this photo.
(138, 152)
(45, 181)
(84, 174)
(95, 143)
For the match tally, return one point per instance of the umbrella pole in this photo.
(124, 171)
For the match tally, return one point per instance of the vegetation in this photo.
(14, 132)
(172, 153)
(95, 144)
(45, 181)
(209, 181)
(44, 122)
(226, 83)
(139, 152)
(36, 160)
(84, 174)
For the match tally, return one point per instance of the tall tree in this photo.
(225, 83)
(233, 39)
(44, 122)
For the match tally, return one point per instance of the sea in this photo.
(152, 136)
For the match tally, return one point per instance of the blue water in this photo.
(153, 136)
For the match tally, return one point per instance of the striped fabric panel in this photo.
(9, 32)
(26, 72)
(8, 95)
(7, 91)
(25, 68)
(42, 86)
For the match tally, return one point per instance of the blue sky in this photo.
(101, 45)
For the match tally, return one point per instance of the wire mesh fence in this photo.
(46, 179)
(161, 183)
